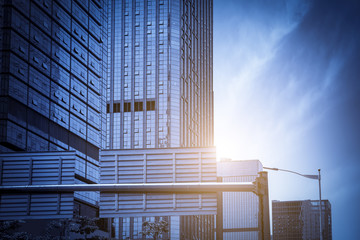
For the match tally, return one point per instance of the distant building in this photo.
(240, 210)
(300, 220)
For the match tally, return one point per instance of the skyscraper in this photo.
(160, 82)
(300, 220)
(53, 69)
(160, 91)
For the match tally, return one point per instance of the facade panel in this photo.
(168, 165)
(37, 169)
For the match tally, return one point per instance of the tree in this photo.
(84, 226)
(155, 229)
(80, 226)
(59, 229)
(8, 230)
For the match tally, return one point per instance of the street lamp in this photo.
(316, 177)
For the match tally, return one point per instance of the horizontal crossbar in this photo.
(209, 187)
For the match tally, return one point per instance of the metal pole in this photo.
(285, 170)
(219, 217)
(219, 214)
(320, 206)
(264, 216)
(311, 177)
(209, 187)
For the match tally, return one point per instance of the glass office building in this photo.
(53, 71)
(160, 85)
(160, 90)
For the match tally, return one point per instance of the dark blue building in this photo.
(52, 93)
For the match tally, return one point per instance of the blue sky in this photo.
(287, 92)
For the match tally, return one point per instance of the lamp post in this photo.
(316, 177)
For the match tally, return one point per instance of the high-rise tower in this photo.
(53, 63)
(160, 88)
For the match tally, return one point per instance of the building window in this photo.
(138, 106)
(150, 105)
(116, 107)
(127, 107)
